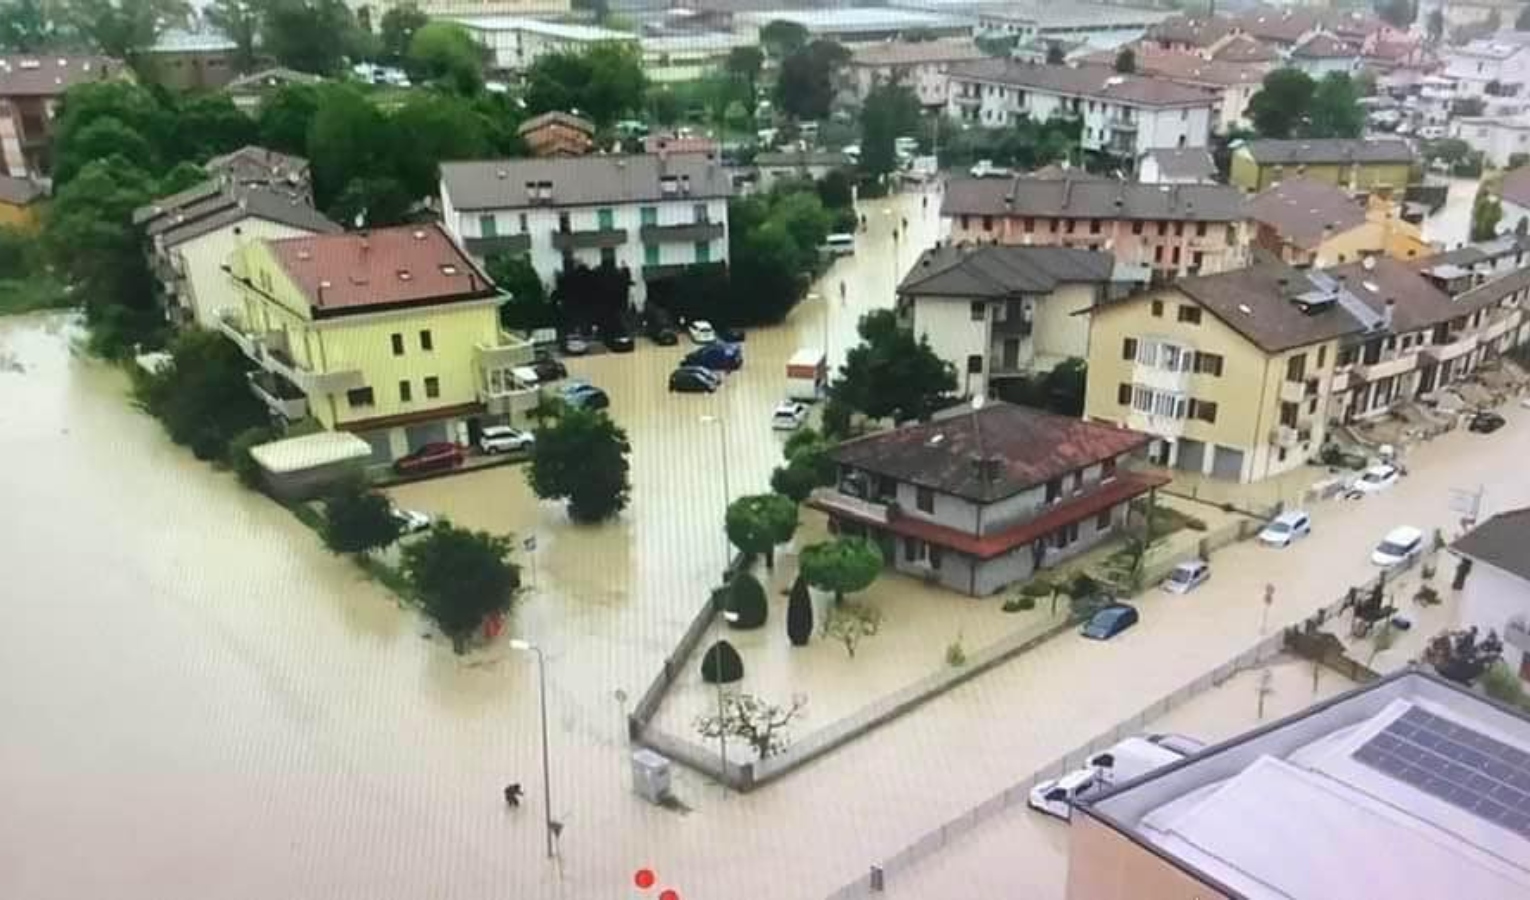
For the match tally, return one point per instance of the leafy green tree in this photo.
(26, 28)
(799, 613)
(184, 175)
(239, 20)
(1335, 110)
(805, 84)
(1487, 210)
(122, 28)
(747, 602)
(891, 373)
(397, 29)
(1126, 61)
(1277, 109)
(580, 456)
(244, 466)
(1000, 45)
(348, 140)
(743, 65)
(285, 117)
(461, 577)
(209, 124)
(782, 38)
(358, 520)
(105, 137)
(201, 397)
(758, 522)
(528, 306)
(890, 111)
(444, 53)
(429, 129)
(130, 104)
(844, 565)
(603, 83)
(372, 202)
(309, 35)
(808, 465)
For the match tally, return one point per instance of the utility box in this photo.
(650, 775)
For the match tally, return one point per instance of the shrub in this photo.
(956, 654)
(746, 598)
(239, 458)
(1427, 595)
(799, 614)
(1082, 586)
(722, 664)
(1500, 683)
(1024, 603)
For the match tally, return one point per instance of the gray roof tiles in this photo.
(1092, 199)
(1500, 541)
(1257, 302)
(1318, 151)
(999, 272)
(1183, 162)
(1096, 82)
(582, 181)
(1300, 210)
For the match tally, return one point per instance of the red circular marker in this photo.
(645, 879)
(669, 895)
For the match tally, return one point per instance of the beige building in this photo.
(1312, 223)
(921, 66)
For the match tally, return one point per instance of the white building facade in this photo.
(516, 43)
(1496, 595)
(1481, 63)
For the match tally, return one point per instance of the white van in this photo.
(1056, 797)
(807, 374)
(842, 244)
(1131, 758)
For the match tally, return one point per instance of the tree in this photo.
(371, 202)
(1126, 61)
(358, 520)
(208, 125)
(1000, 45)
(26, 28)
(444, 53)
(747, 601)
(1462, 656)
(781, 38)
(122, 28)
(805, 84)
(398, 27)
(580, 456)
(836, 191)
(1056, 56)
(603, 83)
(1276, 110)
(103, 137)
(807, 466)
(1435, 25)
(529, 307)
(743, 65)
(1487, 210)
(429, 129)
(593, 297)
(721, 664)
(1397, 13)
(761, 725)
(239, 21)
(890, 111)
(348, 140)
(461, 577)
(757, 523)
(1335, 111)
(285, 117)
(891, 373)
(202, 397)
(309, 35)
(844, 565)
(799, 613)
(850, 623)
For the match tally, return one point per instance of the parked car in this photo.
(1285, 528)
(430, 458)
(729, 335)
(659, 331)
(585, 395)
(619, 342)
(1055, 796)
(1484, 422)
(690, 381)
(704, 372)
(1187, 576)
(1110, 621)
(701, 332)
(409, 521)
(788, 416)
(548, 369)
(839, 244)
(1376, 479)
(986, 169)
(575, 345)
(717, 357)
(1399, 546)
(1179, 743)
(504, 439)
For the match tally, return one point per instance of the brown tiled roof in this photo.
(1092, 199)
(1516, 186)
(905, 53)
(1258, 303)
(1500, 541)
(1195, 31)
(19, 191)
(1189, 67)
(387, 268)
(38, 75)
(1096, 82)
(1324, 46)
(1281, 26)
(1241, 48)
(999, 271)
(1300, 208)
(584, 180)
(1418, 303)
(555, 117)
(257, 165)
(1319, 151)
(1030, 446)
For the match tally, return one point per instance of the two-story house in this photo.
(1188, 166)
(31, 86)
(391, 334)
(654, 215)
(1323, 54)
(1233, 84)
(981, 498)
(1154, 230)
(1496, 595)
(1120, 115)
(558, 134)
(1312, 223)
(1488, 67)
(921, 66)
(998, 312)
(1358, 165)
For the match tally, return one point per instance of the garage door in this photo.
(430, 433)
(1228, 463)
(378, 441)
(1192, 455)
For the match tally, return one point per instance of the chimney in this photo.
(1386, 313)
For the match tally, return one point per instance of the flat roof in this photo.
(537, 26)
(310, 451)
(1410, 787)
(854, 18)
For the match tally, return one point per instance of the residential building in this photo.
(1409, 787)
(30, 89)
(192, 234)
(1155, 232)
(1496, 596)
(1479, 14)
(256, 166)
(183, 60)
(1234, 84)
(653, 215)
(1121, 115)
(391, 334)
(1499, 139)
(514, 43)
(20, 199)
(684, 142)
(1323, 54)
(1356, 165)
(797, 164)
(1312, 223)
(250, 91)
(1229, 372)
(850, 25)
(921, 66)
(979, 499)
(558, 134)
(1002, 312)
(1487, 66)
(1473, 265)
(1240, 48)
(1283, 29)
(1514, 195)
(370, 12)
(1098, 24)
(1190, 34)
(1174, 166)
(687, 57)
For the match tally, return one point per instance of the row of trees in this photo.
(1290, 104)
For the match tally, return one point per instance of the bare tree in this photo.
(849, 622)
(759, 724)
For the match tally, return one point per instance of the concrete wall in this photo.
(207, 288)
(1103, 864)
(1057, 331)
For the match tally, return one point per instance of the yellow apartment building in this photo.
(391, 334)
(1306, 222)
(1353, 164)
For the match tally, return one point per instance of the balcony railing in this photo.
(1399, 364)
(1340, 381)
(1175, 381)
(278, 396)
(966, 100)
(688, 232)
(1461, 344)
(1292, 391)
(507, 352)
(1125, 126)
(1285, 436)
(265, 349)
(492, 246)
(833, 500)
(588, 240)
(1163, 426)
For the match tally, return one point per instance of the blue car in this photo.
(584, 395)
(717, 357)
(1110, 621)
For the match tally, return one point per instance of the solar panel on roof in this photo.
(1456, 764)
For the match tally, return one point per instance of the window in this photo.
(1069, 227)
(398, 345)
(924, 499)
(911, 550)
(699, 213)
(650, 254)
(975, 364)
(1190, 315)
(934, 550)
(1312, 406)
(988, 223)
(1205, 410)
(1094, 226)
(1102, 521)
(1078, 481)
(1158, 254)
(405, 392)
(1200, 229)
(1176, 256)
(524, 225)
(1288, 413)
(359, 397)
(1158, 309)
(488, 227)
(1054, 226)
(432, 386)
(1030, 225)
(1065, 535)
(1209, 364)
(1296, 367)
(1129, 348)
(1136, 228)
(1179, 229)
(427, 342)
(608, 257)
(1197, 259)
(1054, 490)
(648, 215)
(563, 223)
(1163, 228)
(966, 222)
(605, 219)
(703, 251)
(979, 310)
(1124, 394)
(1108, 469)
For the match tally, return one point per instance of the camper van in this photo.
(807, 374)
(1129, 759)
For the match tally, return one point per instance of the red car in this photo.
(429, 458)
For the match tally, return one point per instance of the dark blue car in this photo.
(717, 357)
(1110, 621)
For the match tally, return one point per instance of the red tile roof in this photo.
(49, 75)
(411, 265)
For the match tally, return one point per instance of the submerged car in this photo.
(701, 332)
(430, 458)
(1484, 422)
(409, 521)
(691, 381)
(1399, 546)
(1110, 621)
(1187, 576)
(717, 357)
(1285, 528)
(1376, 479)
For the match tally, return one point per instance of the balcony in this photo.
(595, 238)
(1340, 381)
(831, 501)
(1017, 326)
(278, 395)
(1162, 426)
(269, 350)
(1285, 436)
(1173, 381)
(1461, 343)
(1292, 391)
(507, 352)
(516, 404)
(689, 232)
(1398, 364)
(1500, 326)
(484, 247)
(965, 100)
(1122, 126)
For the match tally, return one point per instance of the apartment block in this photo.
(31, 87)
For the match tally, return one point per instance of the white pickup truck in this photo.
(986, 169)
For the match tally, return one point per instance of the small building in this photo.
(558, 134)
(1002, 312)
(1496, 596)
(1357, 165)
(183, 60)
(252, 166)
(20, 199)
(1488, 66)
(31, 86)
(1514, 195)
(1409, 787)
(1323, 54)
(850, 25)
(1499, 139)
(1233, 84)
(514, 43)
(920, 66)
(302, 468)
(1312, 223)
(250, 91)
(796, 164)
(979, 499)
(672, 58)
(370, 13)
(1174, 166)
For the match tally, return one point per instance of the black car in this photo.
(729, 335)
(619, 342)
(1484, 422)
(549, 369)
(575, 344)
(686, 381)
(663, 335)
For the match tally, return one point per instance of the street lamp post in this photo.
(722, 721)
(523, 645)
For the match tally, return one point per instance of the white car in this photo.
(1376, 479)
(410, 521)
(986, 169)
(701, 332)
(1400, 545)
(1285, 528)
(788, 416)
(504, 439)
(1187, 576)
(1055, 796)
